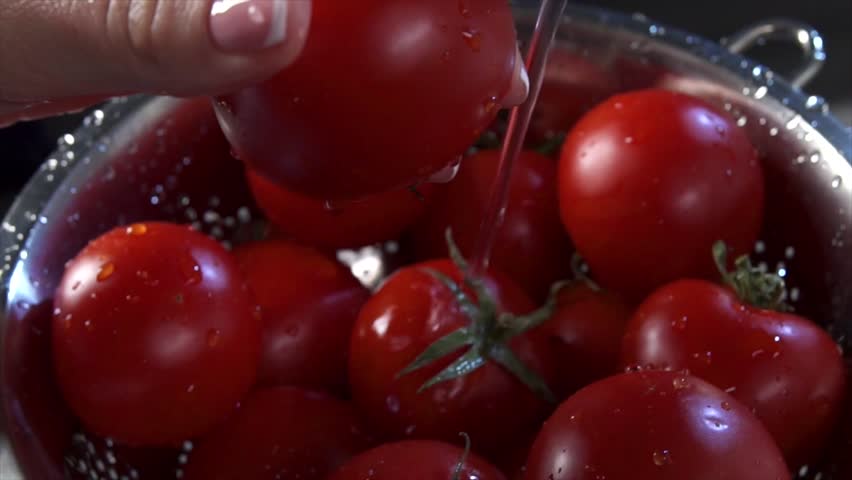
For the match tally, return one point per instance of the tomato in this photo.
(278, 433)
(780, 365)
(155, 335)
(649, 180)
(531, 245)
(654, 426)
(417, 460)
(309, 304)
(409, 313)
(587, 328)
(369, 220)
(385, 94)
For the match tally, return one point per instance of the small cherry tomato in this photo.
(653, 426)
(649, 180)
(280, 433)
(155, 335)
(309, 304)
(417, 460)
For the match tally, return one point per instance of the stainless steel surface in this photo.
(130, 162)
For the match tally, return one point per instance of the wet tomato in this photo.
(531, 245)
(408, 314)
(375, 101)
(649, 180)
(586, 330)
(369, 220)
(309, 304)
(280, 433)
(654, 426)
(155, 335)
(782, 366)
(417, 460)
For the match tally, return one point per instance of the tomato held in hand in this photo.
(785, 368)
(155, 335)
(417, 460)
(280, 433)
(654, 426)
(372, 219)
(586, 329)
(308, 303)
(414, 309)
(649, 180)
(385, 94)
(531, 245)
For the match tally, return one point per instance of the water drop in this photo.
(490, 105)
(88, 324)
(662, 457)
(106, 271)
(473, 39)
(773, 131)
(464, 8)
(190, 269)
(815, 158)
(726, 406)
(742, 121)
(392, 403)
(213, 336)
(137, 229)
(679, 383)
(445, 56)
(628, 140)
(836, 182)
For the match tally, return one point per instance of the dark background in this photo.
(24, 146)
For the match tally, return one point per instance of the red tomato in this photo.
(531, 245)
(417, 460)
(280, 433)
(654, 426)
(780, 365)
(385, 94)
(411, 311)
(308, 313)
(649, 181)
(155, 335)
(586, 328)
(369, 220)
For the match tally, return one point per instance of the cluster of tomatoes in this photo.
(679, 360)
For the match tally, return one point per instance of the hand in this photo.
(63, 55)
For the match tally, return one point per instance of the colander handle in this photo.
(806, 37)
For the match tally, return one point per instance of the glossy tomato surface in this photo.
(280, 433)
(416, 460)
(385, 94)
(155, 335)
(649, 181)
(531, 245)
(785, 368)
(654, 426)
(371, 219)
(411, 311)
(308, 304)
(586, 330)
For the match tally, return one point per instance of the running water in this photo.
(549, 18)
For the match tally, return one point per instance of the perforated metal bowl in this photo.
(160, 158)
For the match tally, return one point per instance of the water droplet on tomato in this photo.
(662, 457)
(628, 140)
(490, 105)
(679, 383)
(473, 39)
(137, 229)
(445, 56)
(464, 8)
(213, 337)
(190, 388)
(190, 269)
(409, 430)
(66, 322)
(446, 174)
(680, 323)
(726, 406)
(106, 271)
(88, 324)
(392, 402)
(332, 207)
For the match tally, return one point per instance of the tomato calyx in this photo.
(488, 334)
(463, 460)
(580, 269)
(752, 285)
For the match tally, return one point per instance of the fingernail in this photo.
(242, 26)
(520, 84)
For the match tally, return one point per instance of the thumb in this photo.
(66, 49)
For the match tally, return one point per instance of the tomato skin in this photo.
(649, 181)
(653, 426)
(531, 245)
(702, 327)
(412, 310)
(586, 329)
(282, 432)
(415, 460)
(374, 101)
(372, 219)
(309, 304)
(155, 335)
